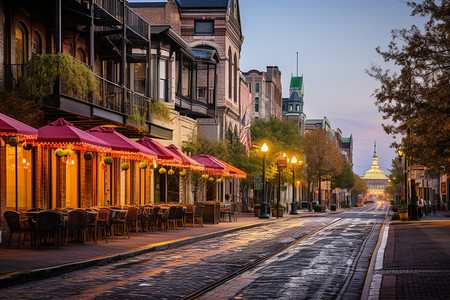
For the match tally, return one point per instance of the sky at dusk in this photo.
(336, 41)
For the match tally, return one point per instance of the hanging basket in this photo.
(68, 152)
(205, 176)
(27, 146)
(143, 165)
(108, 160)
(88, 155)
(162, 170)
(183, 173)
(59, 152)
(219, 180)
(13, 141)
(125, 166)
(211, 178)
(171, 172)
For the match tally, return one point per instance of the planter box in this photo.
(280, 212)
(257, 211)
(403, 213)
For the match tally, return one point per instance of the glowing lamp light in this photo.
(294, 160)
(264, 148)
(400, 153)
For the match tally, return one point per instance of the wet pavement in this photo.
(319, 265)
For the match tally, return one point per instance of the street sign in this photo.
(258, 183)
(282, 162)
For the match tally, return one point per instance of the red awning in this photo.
(122, 146)
(164, 156)
(62, 134)
(12, 127)
(186, 160)
(216, 166)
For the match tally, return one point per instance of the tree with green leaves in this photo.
(415, 99)
(345, 178)
(281, 137)
(360, 187)
(323, 156)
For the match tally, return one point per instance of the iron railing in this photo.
(113, 7)
(136, 23)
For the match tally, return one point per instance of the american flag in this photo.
(246, 139)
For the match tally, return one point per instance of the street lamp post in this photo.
(264, 214)
(293, 203)
(411, 207)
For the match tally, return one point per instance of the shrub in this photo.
(88, 155)
(317, 208)
(395, 216)
(333, 207)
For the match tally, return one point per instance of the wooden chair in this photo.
(16, 226)
(152, 222)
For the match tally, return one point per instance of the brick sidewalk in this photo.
(417, 259)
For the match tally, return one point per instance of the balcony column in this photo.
(91, 36)
(58, 26)
(58, 42)
(124, 61)
(148, 61)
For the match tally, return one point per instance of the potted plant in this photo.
(280, 210)
(333, 207)
(257, 209)
(403, 210)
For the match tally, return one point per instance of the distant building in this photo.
(312, 124)
(266, 91)
(347, 149)
(375, 178)
(293, 106)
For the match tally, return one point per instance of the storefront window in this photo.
(72, 170)
(24, 176)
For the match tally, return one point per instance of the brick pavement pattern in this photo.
(417, 260)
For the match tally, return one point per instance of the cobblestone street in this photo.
(310, 268)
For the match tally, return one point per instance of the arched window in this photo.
(230, 74)
(36, 43)
(21, 44)
(236, 76)
(20, 50)
(81, 55)
(257, 88)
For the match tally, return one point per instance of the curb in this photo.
(19, 277)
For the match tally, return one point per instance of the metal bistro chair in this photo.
(48, 222)
(16, 226)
